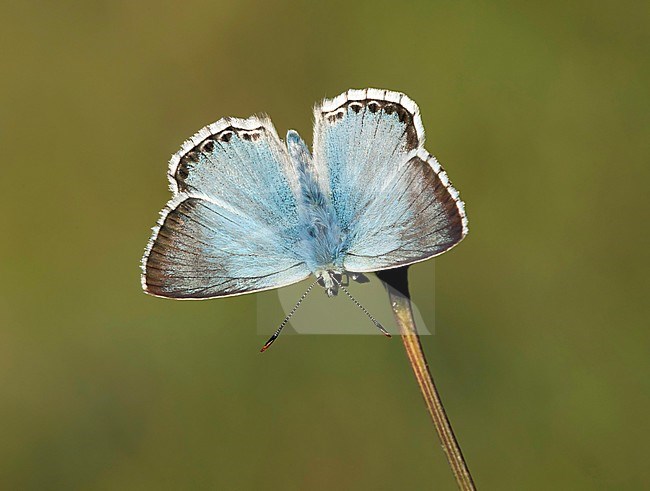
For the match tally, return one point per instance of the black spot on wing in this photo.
(192, 158)
(373, 106)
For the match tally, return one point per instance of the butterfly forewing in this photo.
(395, 204)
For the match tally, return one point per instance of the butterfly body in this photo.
(251, 212)
(323, 241)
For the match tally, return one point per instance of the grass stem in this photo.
(401, 305)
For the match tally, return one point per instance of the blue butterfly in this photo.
(251, 213)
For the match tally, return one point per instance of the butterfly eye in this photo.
(360, 278)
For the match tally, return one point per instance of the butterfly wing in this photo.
(394, 202)
(231, 226)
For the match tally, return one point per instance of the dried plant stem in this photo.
(401, 305)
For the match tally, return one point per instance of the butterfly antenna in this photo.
(374, 321)
(286, 319)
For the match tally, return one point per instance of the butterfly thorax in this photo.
(321, 238)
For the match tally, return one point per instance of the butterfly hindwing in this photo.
(231, 226)
(394, 202)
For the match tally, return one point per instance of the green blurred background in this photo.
(540, 114)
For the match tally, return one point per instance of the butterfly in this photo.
(250, 212)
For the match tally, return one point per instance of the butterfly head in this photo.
(330, 280)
